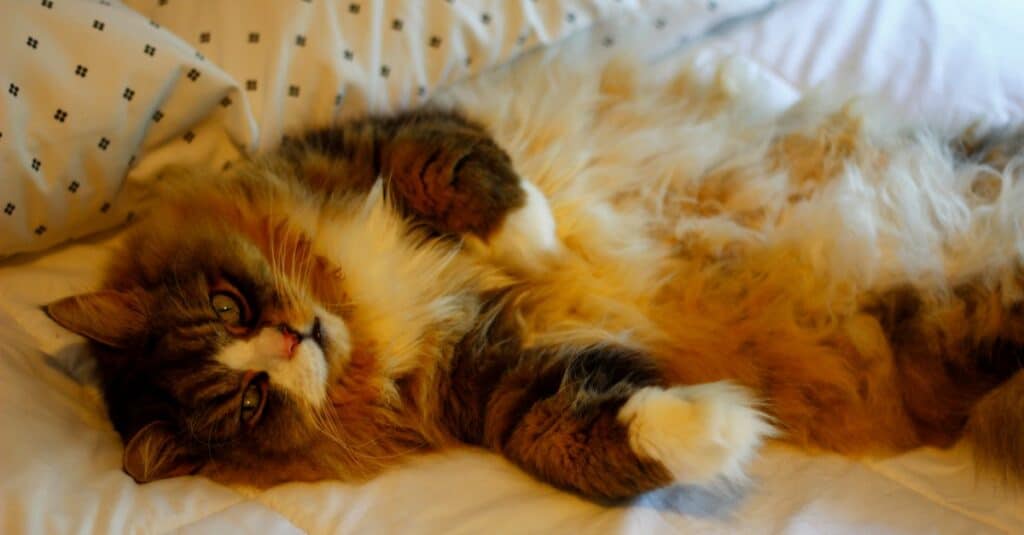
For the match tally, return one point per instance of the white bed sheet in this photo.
(60, 459)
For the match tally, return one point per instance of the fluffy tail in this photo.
(996, 429)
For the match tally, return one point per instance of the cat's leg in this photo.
(600, 422)
(450, 172)
(439, 168)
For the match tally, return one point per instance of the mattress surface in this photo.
(941, 61)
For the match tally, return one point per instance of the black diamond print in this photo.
(254, 37)
(149, 50)
(129, 93)
(353, 8)
(204, 37)
(13, 90)
(485, 18)
(225, 102)
(36, 164)
(396, 24)
(9, 209)
(193, 75)
(659, 23)
(104, 143)
(608, 41)
(48, 4)
(157, 115)
(60, 115)
(105, 208)
(99, 25)
(349, 55)
(250, 85)
(435, 41)
(73, 186)
(300, 40)
(385, 71)
(33, 42)
(189, 136)
(40, 230)
(81, 71)
(293, 91)
(199, 56)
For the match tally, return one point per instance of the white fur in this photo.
(404, 293)
(528, 235)
(699, 433)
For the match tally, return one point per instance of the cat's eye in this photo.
(252, 401)
(228, 308)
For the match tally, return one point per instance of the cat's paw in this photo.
(457, 179)
(700, 433)
(527, 236)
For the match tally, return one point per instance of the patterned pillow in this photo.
(101, 97)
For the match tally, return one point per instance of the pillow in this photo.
(101, 97)
(92, 90)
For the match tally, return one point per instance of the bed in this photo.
(944, 62)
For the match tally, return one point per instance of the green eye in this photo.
(227, 308)
(252, 399)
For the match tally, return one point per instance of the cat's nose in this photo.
(292, 339)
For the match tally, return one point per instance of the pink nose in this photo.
(291, 340)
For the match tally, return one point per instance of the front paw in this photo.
(527, 237)
(700, 434)
(454, 177)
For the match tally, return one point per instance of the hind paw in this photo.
(699, 433)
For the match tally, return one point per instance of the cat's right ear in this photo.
(111, 317)
(155, 452)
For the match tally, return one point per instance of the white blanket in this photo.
(942, 61)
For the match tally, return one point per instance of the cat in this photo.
(612, 321)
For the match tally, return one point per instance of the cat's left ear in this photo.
(155, 452)
(111, 317)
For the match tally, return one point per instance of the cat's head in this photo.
(229, 343)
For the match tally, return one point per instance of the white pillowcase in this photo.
(100, 98)
(89, 89)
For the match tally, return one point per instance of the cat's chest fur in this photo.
(409, 296)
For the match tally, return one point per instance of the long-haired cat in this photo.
(682, 274)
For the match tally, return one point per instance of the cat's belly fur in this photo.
(753, 249)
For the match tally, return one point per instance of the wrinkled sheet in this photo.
(942, 61)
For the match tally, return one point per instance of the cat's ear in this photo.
(111, 317)
(156, 452)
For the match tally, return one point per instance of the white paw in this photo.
(527, 236)
(699, 433)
